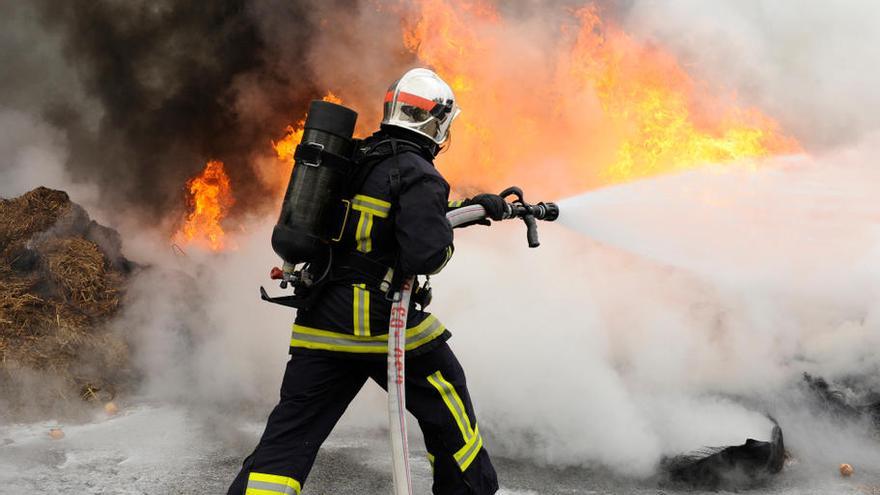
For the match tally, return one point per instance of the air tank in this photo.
(320, 167)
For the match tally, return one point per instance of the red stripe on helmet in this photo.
(411, 99)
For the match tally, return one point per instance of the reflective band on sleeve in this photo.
(313, 338)
(371, 205)
(271, 484)
(456, 204)
(471, 436)
(361, 311)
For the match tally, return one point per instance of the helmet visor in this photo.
(428, 117)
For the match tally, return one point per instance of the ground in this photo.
(156, 449)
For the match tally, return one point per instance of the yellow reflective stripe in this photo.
(473, 442)
(368, 207)
(466, 455)
(313, 338)
(457, 203)
(454, 403)
(373, 206)
(361, 314)
(253, 490)
(430, 458)
(356, 309)
(374, 202)
(270, 478)
(428, 333)
(368, 231)
(271, 484)
(363, 231)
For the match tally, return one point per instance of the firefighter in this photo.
(396, 227)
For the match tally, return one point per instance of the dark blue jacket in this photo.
(408, 232)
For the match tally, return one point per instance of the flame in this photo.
(285, 146)
(209, 199)
(665, 127)
(588, 107)
(559, 110)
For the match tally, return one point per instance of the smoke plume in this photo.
(146, 92)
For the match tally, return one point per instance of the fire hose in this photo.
(397, 327)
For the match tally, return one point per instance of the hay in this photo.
(58, 290)
(78, 267)
(30, 213)
(18, 305)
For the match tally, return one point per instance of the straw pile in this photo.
(61, 279)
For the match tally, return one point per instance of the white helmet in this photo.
(421, 102)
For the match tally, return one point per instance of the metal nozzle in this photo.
(551, 212)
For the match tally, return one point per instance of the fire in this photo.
(587, 107)
(285, 147)
(210, 197)
(665, 126)
(293, 134)
(557, 108)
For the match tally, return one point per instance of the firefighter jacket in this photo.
(408, 232)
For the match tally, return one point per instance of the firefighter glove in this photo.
(496, 207)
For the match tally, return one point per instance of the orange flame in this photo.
(285, 147)
(210, 197)
(588, 106)
(665, 126)
(293, 134)
(559, 110)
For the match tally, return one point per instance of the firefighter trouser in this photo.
(316, 391)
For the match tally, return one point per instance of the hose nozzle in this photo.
(547, 211)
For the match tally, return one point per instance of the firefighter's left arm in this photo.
(421, 228)
(458, 203)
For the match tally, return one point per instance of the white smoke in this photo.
(646, 320)
(33, 154)
(800, 61)
(703, 287)
(202, 333)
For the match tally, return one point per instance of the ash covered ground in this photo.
(156, 449)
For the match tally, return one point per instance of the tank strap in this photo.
(367, 159)
(313, 154)
(371, 155)
(308, 153)
(394, 175)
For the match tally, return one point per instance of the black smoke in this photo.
(166, 85)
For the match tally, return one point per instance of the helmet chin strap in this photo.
(442, 147)
(423, 141)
